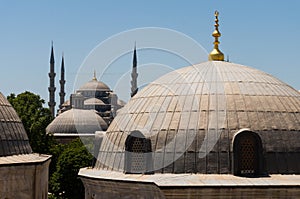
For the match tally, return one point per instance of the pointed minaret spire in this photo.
(62, 82)
(52, 88)
(52, 54)
(134, 74)
(216, 54)
(134, 62)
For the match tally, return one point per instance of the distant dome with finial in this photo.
(94, 85)
(216, 54)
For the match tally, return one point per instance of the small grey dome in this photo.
(93, 102)
(13, 138)
(77, 121)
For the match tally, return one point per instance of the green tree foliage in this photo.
(35, 119)
(65, 182)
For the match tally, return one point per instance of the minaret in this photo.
(216, 54)
(134, 74)
(62, 82)
(52, 88)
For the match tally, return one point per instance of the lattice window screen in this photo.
(248, 155)
(138, 161)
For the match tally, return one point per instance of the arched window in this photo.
(138, 157)
(247, 154)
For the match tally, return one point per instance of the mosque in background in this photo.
(218, 129)
(91, 108)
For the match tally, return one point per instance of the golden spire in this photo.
(216, 54)
(95, 78)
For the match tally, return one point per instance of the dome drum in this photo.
(219, 160)
(94, 94)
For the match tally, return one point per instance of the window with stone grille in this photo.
(138, 158)
(247, 154)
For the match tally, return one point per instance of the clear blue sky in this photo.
(260, 34)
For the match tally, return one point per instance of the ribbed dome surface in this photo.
(77, 121)
(13, 138)
(94, 85)
(197, 110)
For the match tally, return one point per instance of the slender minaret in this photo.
(52, 88)
(134, 74)
(62, 82)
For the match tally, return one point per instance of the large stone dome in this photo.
(77, 121)
(196, 119)
(13, 138)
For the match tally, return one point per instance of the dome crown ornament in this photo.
(95, 77)
(216, 54)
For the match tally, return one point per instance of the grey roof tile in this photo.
(13, 138)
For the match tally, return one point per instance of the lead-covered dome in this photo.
(93, 102)
(13, 138)
(197, 119)
(94, 85)
(77, 121)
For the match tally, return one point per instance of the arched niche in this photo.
(247, 154)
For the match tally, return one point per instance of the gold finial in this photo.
(216, 54)
(95, 78)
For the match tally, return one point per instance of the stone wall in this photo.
(106, 189)
(231, 192)
(24, 181)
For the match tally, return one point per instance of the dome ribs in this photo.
(199, 125)
(13, 138)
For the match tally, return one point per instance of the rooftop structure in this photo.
(202, 131)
